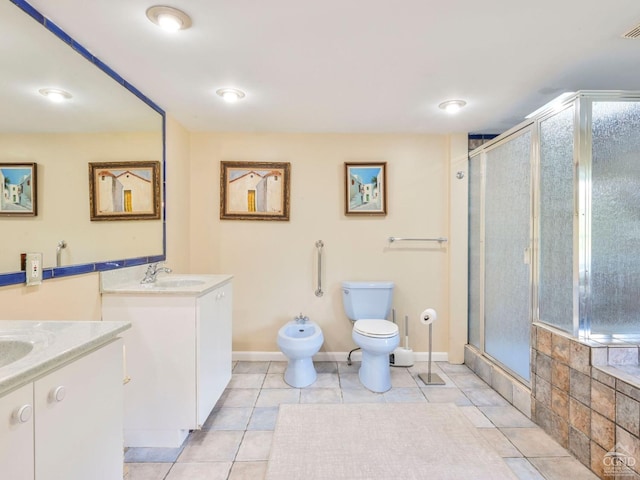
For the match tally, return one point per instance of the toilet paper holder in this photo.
(427, 317)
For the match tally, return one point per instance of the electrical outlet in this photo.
(34, 269)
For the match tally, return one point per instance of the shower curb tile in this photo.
(603, 377)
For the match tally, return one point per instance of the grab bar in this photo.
(319, 245)
(401, 239)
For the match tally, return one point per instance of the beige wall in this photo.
(274, 263)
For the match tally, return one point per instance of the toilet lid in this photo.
(376, 328)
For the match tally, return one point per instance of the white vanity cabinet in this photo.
(16, 434)
(78, 418)
(66, 424)
(178, 356)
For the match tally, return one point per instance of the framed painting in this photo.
(365, 188)
(124, 190)
(19, 189)
(254, 190)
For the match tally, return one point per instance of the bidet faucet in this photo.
(152, 272)
(301, 319)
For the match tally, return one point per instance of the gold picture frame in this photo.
(254, 190)
(124, 190)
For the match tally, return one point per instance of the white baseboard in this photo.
(328, 356)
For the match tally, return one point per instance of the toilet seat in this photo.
(375, 328)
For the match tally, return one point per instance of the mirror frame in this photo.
(15, 278)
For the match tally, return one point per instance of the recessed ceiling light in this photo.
(169, 18)
(230, 94)
(452, 106)
(55, 94)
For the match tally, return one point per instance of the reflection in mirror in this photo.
(99, 121)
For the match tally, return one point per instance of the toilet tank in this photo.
(367, 299)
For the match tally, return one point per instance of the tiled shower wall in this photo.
(586, 395)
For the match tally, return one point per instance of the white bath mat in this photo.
(405, 441)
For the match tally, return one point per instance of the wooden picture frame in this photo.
(18, 190)
(124, 190)
(365, 188)
(254, 190)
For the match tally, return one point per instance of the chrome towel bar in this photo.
(403, 239)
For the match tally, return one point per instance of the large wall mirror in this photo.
(104, 120)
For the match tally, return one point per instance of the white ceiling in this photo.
(360, 65)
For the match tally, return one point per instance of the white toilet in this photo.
(368, 304)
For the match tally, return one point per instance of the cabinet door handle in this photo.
(58, 394)
(23, 414)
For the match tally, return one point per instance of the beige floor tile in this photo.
(263, 418)
(273, 397)
(255, 446)
(228, 418)
(326, 367)
(476, 417)
(554, 468)
(499, 442)
(248, 471)
(277, 367)
(484, 397)
(326, 380)
(238, 397)
(147, 471)
(321, 395)
(200, 471)
(506, 416)
(351, 381)
(523, 469)
(246, 380)
(404, 395)
(361, 395)
(436, 394)
(468, 381)
(275, 380)
(211, 446)
(401, 378)
(534, 442)
(251, 367)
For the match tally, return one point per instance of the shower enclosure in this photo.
(554, 227)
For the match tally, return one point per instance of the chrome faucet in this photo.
(301, 319)
(152, 272)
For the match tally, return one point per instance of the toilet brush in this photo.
(402, 356)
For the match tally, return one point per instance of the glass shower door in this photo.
(507, 241)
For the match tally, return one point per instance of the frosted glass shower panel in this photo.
(555, 294)
(615, 218)
(507, 240)
(475, 180)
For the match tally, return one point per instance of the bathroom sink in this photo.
(177, 283)
(12, 350)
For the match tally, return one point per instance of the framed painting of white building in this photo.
(124, 190)
(365, 188)
(18, 189)
(254, 190)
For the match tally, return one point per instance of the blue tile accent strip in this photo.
(16, 278)
(12, 278)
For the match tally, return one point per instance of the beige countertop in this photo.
(170, 284)
(54, 344)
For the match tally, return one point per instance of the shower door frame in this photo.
(527, 127)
